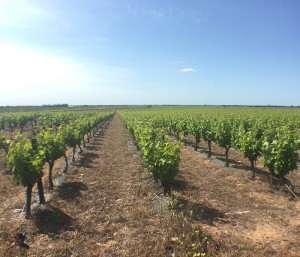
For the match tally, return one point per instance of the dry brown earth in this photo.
(245, 217)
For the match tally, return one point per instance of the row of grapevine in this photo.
(27, 156)
(14, 120)
(272, 135)
(34, 120)
(160, 153)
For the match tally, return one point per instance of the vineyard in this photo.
(156, 181)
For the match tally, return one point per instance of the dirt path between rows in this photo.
(245, 217)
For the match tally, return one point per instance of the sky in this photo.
(132, 52)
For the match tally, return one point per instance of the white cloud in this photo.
(188, 70)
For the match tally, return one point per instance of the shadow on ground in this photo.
(199, 212)
(86, 160)
(231, 161)
(52, 221)
(178, 185)
(71, 190)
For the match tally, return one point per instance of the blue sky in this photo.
(150, 52)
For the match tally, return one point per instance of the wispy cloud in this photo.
(148, 12)
(188, 70)
(194, 15)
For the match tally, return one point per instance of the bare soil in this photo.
(107, 206)
(245, 217)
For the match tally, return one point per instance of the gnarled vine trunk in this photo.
(67, 164)
(252, 176)
(209, 148)
(50, 180)
(41, 191)
(226, 156)
(73, 156)
(197, 141)
(80, 149)
(28, 201)
(83, 141)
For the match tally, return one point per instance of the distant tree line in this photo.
(21, 108)
(56, 105)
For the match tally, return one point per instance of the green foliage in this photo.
(72, 135)
(27, 165)
(280, 154)
(207, 130)
(248, 144)
(194, 128)
(4, 143)
(161, 155)
(183, 126)
(223, 133)
(52, 144)
(2, 122)
(162, 158)
(2, 139)
(298, 143)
